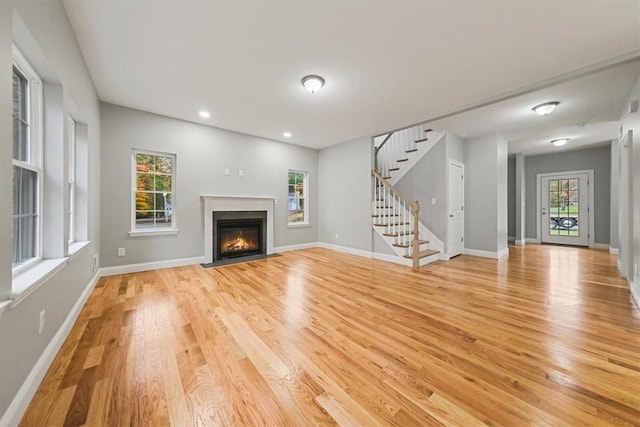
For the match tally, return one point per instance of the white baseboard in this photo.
(532, 240)
(600, 246)
(287, 248)
(20, 402)
(614, 251)
(156, 265)
(511, 238)
(392, 258)
(486, 254)
(635, 293)
(619, 265)
(520, 242)
(345, 249)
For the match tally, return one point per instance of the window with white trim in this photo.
(153, 192)
(71, 177)
(298, 208)
(27, 162)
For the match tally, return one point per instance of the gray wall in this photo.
(511, 196)
(47, 35)
(598, 159)
(345, 194)
(202, 154)
(427, 180)
(485, 218)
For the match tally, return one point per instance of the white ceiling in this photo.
(387, 64)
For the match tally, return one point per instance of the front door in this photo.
(565, 209)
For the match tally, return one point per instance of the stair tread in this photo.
(417, 141)
(402, 245)
(412, 150)
(393, 224)
(402, 233)
(402, 160)
(424, 254)
(393, 169)
(383, 215)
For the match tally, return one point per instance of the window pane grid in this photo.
(295, 199)
(564, 207)
(153, 193)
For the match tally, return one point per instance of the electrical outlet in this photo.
(275, 201)
(240, 172)
(41, 322)
(122, 251)
(337, 237)
(226, 171)
(433, 201)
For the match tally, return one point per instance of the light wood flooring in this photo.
(547, 337)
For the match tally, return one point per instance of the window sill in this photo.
(76, 247)
(161, 232)
(29, 280)
(299, 225)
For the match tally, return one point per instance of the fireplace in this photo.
(238, 234)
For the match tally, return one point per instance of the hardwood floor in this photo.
(548, 336)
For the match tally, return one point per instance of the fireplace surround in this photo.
(217, 203)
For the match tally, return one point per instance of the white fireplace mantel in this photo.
(234, 203)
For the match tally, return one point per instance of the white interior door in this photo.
(565, 209)
(456, 209)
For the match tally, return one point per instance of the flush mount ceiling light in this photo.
(312, 83)
(546, 108)
(560, 142)
(287, 134)
(204, 114)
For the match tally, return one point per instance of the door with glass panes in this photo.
(565, 209)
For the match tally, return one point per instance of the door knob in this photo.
(450, 215)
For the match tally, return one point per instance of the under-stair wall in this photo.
(427, 182)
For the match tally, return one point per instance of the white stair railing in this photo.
(398, 215)
(394, 148)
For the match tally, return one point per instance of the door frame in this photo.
(589, 172)
(447, 204)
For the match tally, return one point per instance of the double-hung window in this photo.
(71, 177)
(27, 149)
(153, 193)
(298, 209)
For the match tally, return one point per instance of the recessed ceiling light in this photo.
(312, 83)
(204, 114)
(287, 134)
(546, 108)
(560, 142)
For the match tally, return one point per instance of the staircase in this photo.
(395, 217)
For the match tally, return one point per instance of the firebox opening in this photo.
(238, 234)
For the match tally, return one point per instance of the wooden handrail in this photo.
(412, 203)
(379, 147)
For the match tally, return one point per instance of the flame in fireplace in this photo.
(239, 243)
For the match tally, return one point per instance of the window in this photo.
(296, 203)
(27, 146)
(153, 192)
(71, 177)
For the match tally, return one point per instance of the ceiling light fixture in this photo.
(560, 142)
(546, 108)
(287, 134)
(204, 114)
(312, 83)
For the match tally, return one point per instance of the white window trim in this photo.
(35, 111)
(305, 189)
(159, 231)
